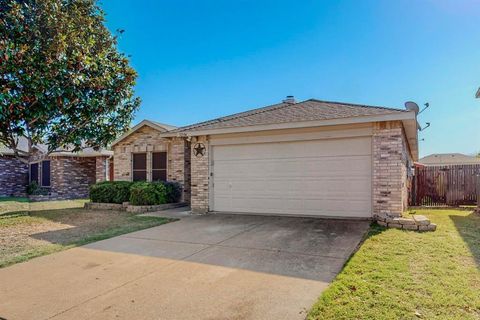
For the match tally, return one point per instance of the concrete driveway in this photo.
(201, 267)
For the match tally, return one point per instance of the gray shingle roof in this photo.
(449, 158)
(308, 110)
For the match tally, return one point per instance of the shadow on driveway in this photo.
(201, 267)
(308, 248)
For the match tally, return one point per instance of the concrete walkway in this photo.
(201, 267)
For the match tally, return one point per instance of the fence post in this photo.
(478, 192)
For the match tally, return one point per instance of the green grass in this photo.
(14, 199)
(399, 274)
(47, 227)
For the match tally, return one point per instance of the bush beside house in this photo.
(137, 193)
(33, 189)
(110, 192)
(147, 194)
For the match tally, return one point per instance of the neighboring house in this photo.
(63, 175)
(313, 158)
(444, 159)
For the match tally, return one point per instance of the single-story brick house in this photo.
(311, 158)
(62, 174)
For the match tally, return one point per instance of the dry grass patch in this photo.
(29, 230)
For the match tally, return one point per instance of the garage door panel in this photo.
(323, 177)
(297, 167)
(331, 207)
(320, 188)
(349, 147)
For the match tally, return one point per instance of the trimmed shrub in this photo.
(137, 193)
(173, 191)
(161, 192)
(121, 191)
(145, 194)
(110, 191)
(98, 193)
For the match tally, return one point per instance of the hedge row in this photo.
(137, 193)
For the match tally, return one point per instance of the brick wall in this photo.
(148, 140)
(179, 164)
(71, 177)
(100, 169)
(390, 159)
(199, 186)
(13, 177)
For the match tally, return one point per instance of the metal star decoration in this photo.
(199, 150)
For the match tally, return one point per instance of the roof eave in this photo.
(408, 119)
(411, 131)
(82, 155)
(292, 125)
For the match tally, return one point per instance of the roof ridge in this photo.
(237, 115)
(160, 124)
(278, 106)
(356, 104)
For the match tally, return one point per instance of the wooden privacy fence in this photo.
(451, 185)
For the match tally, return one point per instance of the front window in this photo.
(34, 172)
(139, 167)
(159, 166)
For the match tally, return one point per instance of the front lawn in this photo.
(411, 275)
(29, 230)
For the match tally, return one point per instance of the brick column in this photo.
(180, 164)
(100, 169)
(199, 178)
(149, 163)
(187, 171)
(177, 158)
(389, 169)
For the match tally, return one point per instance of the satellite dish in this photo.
(412, 106)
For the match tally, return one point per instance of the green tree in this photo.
(63, 81)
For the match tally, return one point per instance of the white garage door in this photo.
(319, 177)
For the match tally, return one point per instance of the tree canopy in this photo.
(63, 81)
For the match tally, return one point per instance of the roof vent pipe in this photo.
(289, 99)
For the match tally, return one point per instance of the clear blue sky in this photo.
(198, 60)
